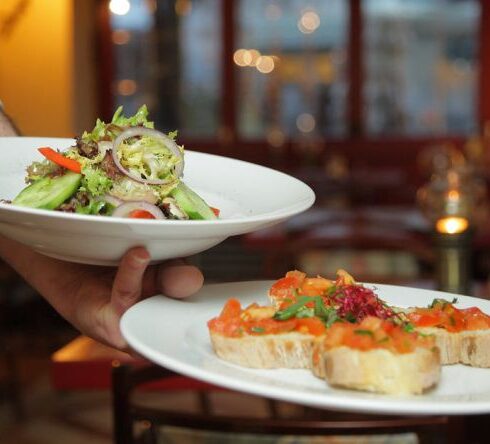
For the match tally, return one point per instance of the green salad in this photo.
(124, 168)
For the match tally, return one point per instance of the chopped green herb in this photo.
(305, 312)
(364, 332)
(292, 310)
(442, 301)
(258, 329)
(408, 327)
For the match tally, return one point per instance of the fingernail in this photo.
(142, 257)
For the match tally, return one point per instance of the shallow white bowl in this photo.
(249, 196)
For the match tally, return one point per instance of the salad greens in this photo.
(124, 168)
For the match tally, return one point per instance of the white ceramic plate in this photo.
(249, 196)
(174, 334)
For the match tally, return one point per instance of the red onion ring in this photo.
(111, 200)
(125, 209)
(148, 132)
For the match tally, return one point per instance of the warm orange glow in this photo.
(265, 64)
(452, 225)
(126, 87)
(121, 36)
(36, 68)
(309, 22)
(453, 195)
(246, 57)
(239, 57)
(305, 122)
(183, 7)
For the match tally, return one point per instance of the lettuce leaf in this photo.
(139, 119)
(103, 131)
(95, 181)
(149, 158)
(94, 207)
(36, 170)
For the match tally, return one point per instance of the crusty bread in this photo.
(317, 364)
(284, 350)
(471, 347)
(379, 370)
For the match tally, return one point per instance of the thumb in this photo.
(128, 282)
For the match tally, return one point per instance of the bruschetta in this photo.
(256, 337)
(462, 334)
(377, 355)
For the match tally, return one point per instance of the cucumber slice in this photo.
(191, 203)
(48, 193)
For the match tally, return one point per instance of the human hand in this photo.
(94, 298)
(100, 296)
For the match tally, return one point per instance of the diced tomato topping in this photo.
(424, 318)
(313, 326)
(315, 286)
(270, 326)
(232, 309)
(447, 316)
(373, 333)
(286, 287)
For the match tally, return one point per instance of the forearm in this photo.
(7, 127)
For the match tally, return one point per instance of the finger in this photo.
(126, 289)
(179, 280)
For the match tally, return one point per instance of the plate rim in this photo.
(385, 404)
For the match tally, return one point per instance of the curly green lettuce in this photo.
(149, 158)
(95, 181)
(37, 170)
(109, 131)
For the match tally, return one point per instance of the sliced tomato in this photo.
(141, 214)
(216, 211)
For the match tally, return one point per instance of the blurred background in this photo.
(381, 106)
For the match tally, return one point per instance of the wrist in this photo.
(7, 126)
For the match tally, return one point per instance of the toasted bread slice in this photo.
(253, 337)
(471, 347)
(380, 370)
(376, 356)
(284, 350)
(462, 334)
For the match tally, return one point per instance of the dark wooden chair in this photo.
(309, 422)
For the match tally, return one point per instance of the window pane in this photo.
(421, 60)
(290, 60)
(168, 55)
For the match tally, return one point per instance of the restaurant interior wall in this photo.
(371, 82)
(47, 65)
